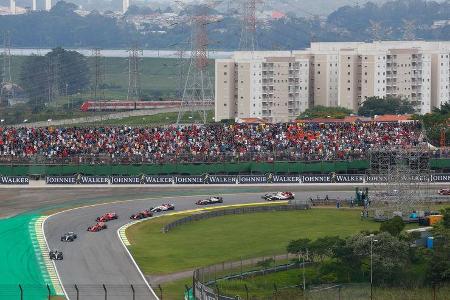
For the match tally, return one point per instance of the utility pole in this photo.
(50, 78)
(248, 40)
(198, 91)
(371, 264)
(98, 70)
(408, 30)
(375, 28)
(6, 70)
(134, 61)
(181, 67)
(6, 76)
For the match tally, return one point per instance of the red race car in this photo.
(142, 215)
(107, 217)
(97, 227)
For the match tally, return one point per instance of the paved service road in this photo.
(99, 258)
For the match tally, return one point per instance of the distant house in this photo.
(393, 118)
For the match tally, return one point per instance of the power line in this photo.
(134, 84)
(6, 70)
(98, 71)
(198, 91)
(248, 34)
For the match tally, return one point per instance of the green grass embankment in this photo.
(231, 238)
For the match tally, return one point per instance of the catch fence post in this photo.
(241, 268)
(246, 290)
(21, 292)
(275, 291)
(106, 292)
(339, 292)
(218, 292)
(133, 291)
(49, 293)
(78, 292)
(193, 282)
(160, 292)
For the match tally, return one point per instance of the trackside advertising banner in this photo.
(14, 180)
(217, 179)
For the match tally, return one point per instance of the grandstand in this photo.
(205, 143)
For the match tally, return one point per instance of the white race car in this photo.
(210, 200)
(278, 196)
(163, 207)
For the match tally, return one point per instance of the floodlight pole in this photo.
(304, 279)
(371, 265)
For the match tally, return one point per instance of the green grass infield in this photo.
(231, 238)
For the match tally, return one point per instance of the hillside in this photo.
(393, 20)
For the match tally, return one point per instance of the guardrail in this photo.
(206, 280)
(232, 211)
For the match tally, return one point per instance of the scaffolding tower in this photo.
(401, 180)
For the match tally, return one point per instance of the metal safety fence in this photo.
(208, 281)
(234, 211)
(80, 292)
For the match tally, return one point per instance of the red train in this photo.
(117, 105)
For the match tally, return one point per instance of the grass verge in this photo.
(231, 238)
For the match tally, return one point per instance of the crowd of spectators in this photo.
(205, 143)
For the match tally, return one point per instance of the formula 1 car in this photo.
(68, 237)
(444, 192)
(55, 255)
(97, 227)
(142, 215)
(210, 200)
(107, 217)
(278, 196)
(163, 207)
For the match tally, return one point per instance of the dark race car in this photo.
(210, 200)
(278, 196)
(444, 192)
(97, 227)
(142, 215)
(55, 255)
(107, 217)
(163, 207)
(68, 237)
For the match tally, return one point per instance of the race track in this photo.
(99, 258)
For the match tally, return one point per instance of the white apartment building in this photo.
(271, 85)
(280, 85)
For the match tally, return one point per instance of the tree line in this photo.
(393, 20)
(395, 261)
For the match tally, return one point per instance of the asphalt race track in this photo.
(94, 259)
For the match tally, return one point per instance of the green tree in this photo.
(439, 266)
(325, 112)
(393, 226)
(70, 69)
(299, 246)
(385, 106)
(446, 213)
(435, 122)
(390, 255)
(34, 79)
(58, 72)
(324, 247)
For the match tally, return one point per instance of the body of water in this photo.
(120, 53)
